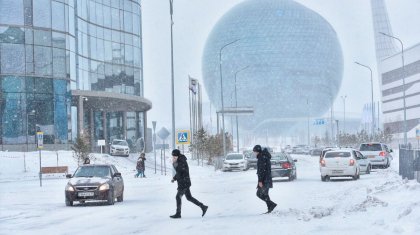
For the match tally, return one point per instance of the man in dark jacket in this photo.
(182, 177)
(265, 181)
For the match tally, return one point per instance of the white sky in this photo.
(194, 20)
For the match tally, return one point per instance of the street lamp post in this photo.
(236, 105)
(27, 131)
(371, 84)
(332, 122)
(171, 3)
(221, 95)
(307, 107)
(403, 77)
(344, 100)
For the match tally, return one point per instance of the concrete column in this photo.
(145, 131)
(80, 116)
(124, 125)
(137, 125)
(104, 131)
(92, 130)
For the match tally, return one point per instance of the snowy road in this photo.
(380, 203)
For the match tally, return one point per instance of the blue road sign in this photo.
(417, 133)
(183, 137)
(40, 140)
(320, 121)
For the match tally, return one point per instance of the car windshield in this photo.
(234, 157)
(93, 171)
(370, 147)
(337, 154)
(279, 157)
(118, 142)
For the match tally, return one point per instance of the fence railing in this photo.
(409, 164)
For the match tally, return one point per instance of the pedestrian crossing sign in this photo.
(183, 137)
(40, 140)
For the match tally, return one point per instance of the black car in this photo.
(283, 165)
(248, 153)
(316, 152)
(252, 161)
(94, 182)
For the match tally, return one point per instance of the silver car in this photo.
(378, 154)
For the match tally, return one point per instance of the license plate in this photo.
(86, 194)
(337, 172)
(370, 156)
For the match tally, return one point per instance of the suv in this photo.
(94, 182)
(377, 153)
(119, 147)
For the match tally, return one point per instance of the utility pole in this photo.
(171, 2)
(373, 114)
(307, 107)
(344, 100)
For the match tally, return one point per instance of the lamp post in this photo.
(307, 107)
(371, 84)
(27, 131)
(236, 105)
(171, 3)
(344, 100)
(403, 77)
(221, 95)
(332, 118)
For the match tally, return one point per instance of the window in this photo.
(58, 16)
(59, 62)
(370, 147)
(42, 37)
(337, 154)
(43, 60)
(42, 13)
(115, 19)
(234, 157)
(11, 12)
(15, 54)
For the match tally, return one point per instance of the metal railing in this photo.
(409, 164)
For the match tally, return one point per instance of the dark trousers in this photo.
(189, 197)
(262, 193)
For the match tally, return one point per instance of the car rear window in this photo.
(279, 157)
(370, 147)
(337, 154)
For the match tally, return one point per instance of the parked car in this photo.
(316, 152)
(297, 150)
(94, 182)
(307, 150)
(289, 150)
(119, 147)
(364, 163)
(269, 149)
(284, 148)
(248, 153)
(235, 161)
(283, 165)
(378, 154)
(252, 161)
(340, 163)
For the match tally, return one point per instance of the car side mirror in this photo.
(68, 176)
(390, 151)
(117, 174)
(295, 160)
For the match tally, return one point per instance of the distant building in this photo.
(77, 64)
(388, 55)
(293, 55)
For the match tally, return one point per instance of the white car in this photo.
(364, 163)
(119, 147)
(378, 153)
(235, 161)
(340, 163)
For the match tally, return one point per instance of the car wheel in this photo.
(323, 178)
(295, 176)
(69, 203)
(291, 178)
(358, 176)
(121, 198)
(354, 177)
(111, 154)
(82, 202)
(111, 198)
(368, 169)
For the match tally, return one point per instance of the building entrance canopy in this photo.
(110, 102)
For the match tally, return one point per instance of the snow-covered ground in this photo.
(380, 203)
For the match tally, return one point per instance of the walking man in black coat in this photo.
(265, 181)
(182, 177)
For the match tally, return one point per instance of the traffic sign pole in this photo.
(40, 146)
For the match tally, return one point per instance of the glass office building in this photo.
(71, 66)
(294, 57)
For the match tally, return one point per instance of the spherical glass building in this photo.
(295, 59)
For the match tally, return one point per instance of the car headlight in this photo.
(104, 187)
(69, 187)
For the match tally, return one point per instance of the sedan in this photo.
(94, 183)
(283, 165)
(340, 163)
(235, 161)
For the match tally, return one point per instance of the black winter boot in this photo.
(271, 207)
(176, 216)
(204, 208)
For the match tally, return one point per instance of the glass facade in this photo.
(292, 52)
(50, 47)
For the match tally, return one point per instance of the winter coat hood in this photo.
(264, 154)
(182, 158)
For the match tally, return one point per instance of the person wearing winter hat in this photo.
(182, 177)
(265, 181)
